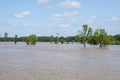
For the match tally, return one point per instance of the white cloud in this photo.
(49, 7)
(65, 14)
(70, 4)
(42, 1)
(70, 13)
(90, 20)
(22, 14)
(74, 20)
(64, 25)
(18, 24)
(57, 15)
(54, 19)
(62, 16)
(1, 21)
(113, 18)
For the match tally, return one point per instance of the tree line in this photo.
(84, 36)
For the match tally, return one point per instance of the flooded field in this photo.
(46, 61)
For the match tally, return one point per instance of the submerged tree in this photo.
(85, 34)
(77, 38)
(57, 38)
(102, 37)
(5, 36)
(15, 39)
(94, 40)
(62, 40)
(31, 39)
(27, 40)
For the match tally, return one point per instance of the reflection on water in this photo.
(46, 61)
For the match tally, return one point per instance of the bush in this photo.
(31, 39)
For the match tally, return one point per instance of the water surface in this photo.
(46, 61)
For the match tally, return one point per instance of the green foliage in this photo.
(27, 40)
(117, 42)
(69, 39)
(57, 38)
(15, 39)
(102, 37)
(51, 39)
(105, 40)
(31, 39)
(62, 40)
(117, 39)
(94, 40)
(46, 38)
(112, 40)
(85, 33)
(5, 36)
(77, 39)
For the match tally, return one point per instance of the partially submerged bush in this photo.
(31, 39)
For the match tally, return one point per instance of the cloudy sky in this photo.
(48, 17)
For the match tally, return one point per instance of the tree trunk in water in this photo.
(84, 44)
(100, 45)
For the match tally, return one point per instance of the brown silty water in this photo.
(46, 61)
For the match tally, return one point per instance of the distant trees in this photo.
(51, 38)
(5, 36)
(85, 34)
(77, 38)
(57, 38)
(62, 40)
(31, 39)
(69, 39)
(117, 39)
(27, 40)
(15, 39)
(46, 38)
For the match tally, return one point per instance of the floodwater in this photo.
(46, 61)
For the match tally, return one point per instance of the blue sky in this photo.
(48, 17)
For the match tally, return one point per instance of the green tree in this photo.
(57, 38)
(5, 36)
(85, 33)
(15, 39)
(106, 41)
(27, 40)
(51, 38)
(31, 39)
(94, 40)
(102, 37)
(112, 40)
(117, 39)
(77, 38)
(62, 40)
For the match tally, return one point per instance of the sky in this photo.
(66, 17)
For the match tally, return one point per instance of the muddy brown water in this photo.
(46, 61)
